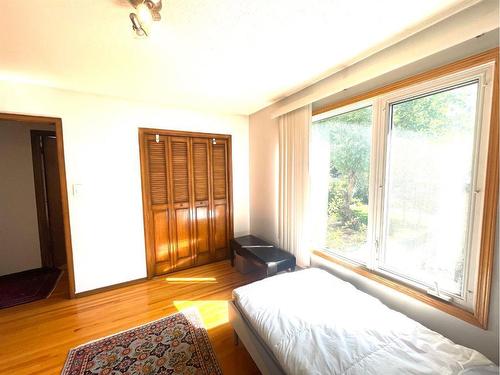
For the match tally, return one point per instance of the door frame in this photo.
(148, 232)
(57, 122)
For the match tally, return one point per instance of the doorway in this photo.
(45, 199)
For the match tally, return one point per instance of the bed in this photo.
(311, 322)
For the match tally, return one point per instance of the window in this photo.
(344, 141)
(428, 194)
(397, 183)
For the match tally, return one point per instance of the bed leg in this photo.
(236, 338)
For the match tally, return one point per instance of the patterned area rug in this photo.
(177, 344)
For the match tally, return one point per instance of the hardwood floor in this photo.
(36, 337)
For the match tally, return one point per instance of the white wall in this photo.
(19, 240)
(264, 198)
(102, 154)
(264, 178)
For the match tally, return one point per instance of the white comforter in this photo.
(315, 323)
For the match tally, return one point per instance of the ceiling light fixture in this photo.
(148, 11)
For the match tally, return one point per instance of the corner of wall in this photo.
(263, 137)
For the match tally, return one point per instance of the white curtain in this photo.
(294, 129)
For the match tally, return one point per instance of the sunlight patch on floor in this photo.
(189, 280)
(214, 313)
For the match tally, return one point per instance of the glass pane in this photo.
(340, 165)
(429, 183)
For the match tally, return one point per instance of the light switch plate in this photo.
(77, 190)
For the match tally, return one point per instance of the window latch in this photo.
(436, 293)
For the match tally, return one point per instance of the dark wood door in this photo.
(54, 204)
(48, 198)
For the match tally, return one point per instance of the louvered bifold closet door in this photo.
(156, 161)
(220, 198)
(201, 192)
(180, 190)
(186, 182)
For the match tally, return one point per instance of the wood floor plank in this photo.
(36, 337)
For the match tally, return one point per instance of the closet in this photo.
(186, 188)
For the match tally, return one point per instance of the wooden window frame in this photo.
(479, 316)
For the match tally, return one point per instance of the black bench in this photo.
(263, 253)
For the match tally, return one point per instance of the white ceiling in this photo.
(232, 56)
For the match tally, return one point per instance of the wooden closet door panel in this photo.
(179, 166)
(161, 235)
(159, 214)
(220, 224)
(219, 172)
(156, 156)
(202, 231)
(162, 241)
(157, 170)
(180, 175)
(200, 147)
(182, 225)
(201, 193)
(220, 201)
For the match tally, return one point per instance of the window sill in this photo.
(456, 311)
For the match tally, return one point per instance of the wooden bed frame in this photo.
(259, 351)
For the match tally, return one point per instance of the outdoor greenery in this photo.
(349, 135)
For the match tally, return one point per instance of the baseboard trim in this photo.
(110, 287)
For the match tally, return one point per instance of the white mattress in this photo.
(315, 323)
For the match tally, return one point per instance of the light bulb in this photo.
(144, 15)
